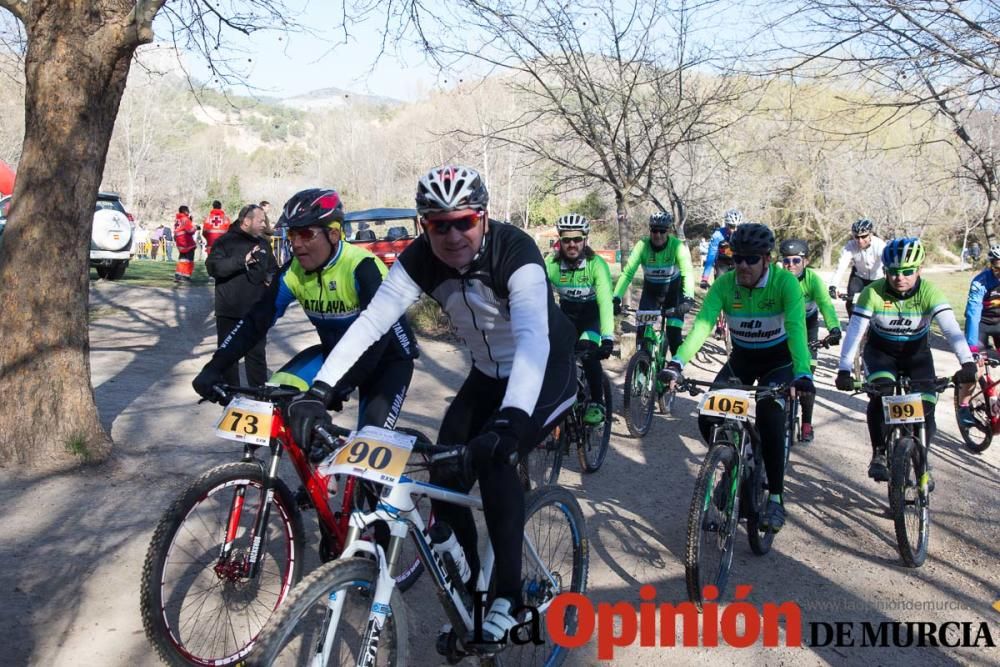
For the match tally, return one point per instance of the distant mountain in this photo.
(336, 97)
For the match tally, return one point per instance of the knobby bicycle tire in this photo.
(180, 641)
(979, 437)
(638, 410)
(590, 453)
(909, 505)
(698, 571)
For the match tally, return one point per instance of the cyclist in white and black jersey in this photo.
(490, 279)
(863, 254)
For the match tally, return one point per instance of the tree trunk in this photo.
(624, 237)
(76, 68)
(989, 215)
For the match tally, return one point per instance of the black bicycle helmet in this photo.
(315, 207)
(447, 189)
(752, 238)
(862, 226)
(793, 247)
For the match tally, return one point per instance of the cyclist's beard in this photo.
(655, 247)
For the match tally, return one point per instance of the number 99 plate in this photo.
(735, 404)
(246, 420)
(372, 453)
(905, 409)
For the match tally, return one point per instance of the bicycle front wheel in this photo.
(909, 501)
(594, 448)
(978, 436)
(544, 462)
(640, 388)
(304, 631)
(712, 521)
(555, 560)
(199, 607)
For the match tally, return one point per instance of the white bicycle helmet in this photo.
(573, 222)
(733, 217)
(450, 188)
(994, 253)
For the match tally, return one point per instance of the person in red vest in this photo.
(184, 239)
(216, 224)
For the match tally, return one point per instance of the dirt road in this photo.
(73, 544)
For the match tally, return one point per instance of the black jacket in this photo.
(237, 285)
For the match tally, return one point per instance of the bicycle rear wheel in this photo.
(555, 560)
(594, 448)
(909, 501)
(979, 436)
(199, 608)
(298, 630)
(712, 521)
(639, 394)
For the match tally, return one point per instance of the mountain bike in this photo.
(350, 611)
(985, 409)
(226, 552)
(591, 440)
(642, 388)
(908, 452)
(731, 484)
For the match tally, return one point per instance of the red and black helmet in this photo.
(315, 207)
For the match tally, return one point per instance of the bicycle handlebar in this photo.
(823, 342)
(940, 384)
(695, 387)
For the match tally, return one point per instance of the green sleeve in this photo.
(634, 260)
(551, 269)
(821, 295)
(795, 322)
(687, 271)
(602, 287)
(704, 323)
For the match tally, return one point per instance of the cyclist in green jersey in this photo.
(766, 315)
(899, 309)
(667, 275)
(795, 260)
(583, 281)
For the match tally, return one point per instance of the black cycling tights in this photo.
(499, 485)
(920, 369)
(770, 414)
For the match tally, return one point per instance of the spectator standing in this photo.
(215, 225)
(184, 237)
(154, 242)
(243, 266)
(168, 243)
(975, 251)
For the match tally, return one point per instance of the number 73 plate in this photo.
(246, 420)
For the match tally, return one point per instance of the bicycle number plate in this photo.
(643, 317)
(246, 420)
(372, 453)
(735, 404)
(905, 409)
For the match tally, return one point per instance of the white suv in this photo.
(111, 237)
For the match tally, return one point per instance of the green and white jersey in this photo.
(766, 322)
(660, 268)
(899, 325)
(584, 290)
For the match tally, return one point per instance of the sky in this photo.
(288, 64)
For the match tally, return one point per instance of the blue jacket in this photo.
(983, 305)
(719, 237)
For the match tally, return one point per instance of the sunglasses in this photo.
(304, 233)
(901, 272)
(749, 260)
(572, 239)
(463, 223)
(862, 237)
(659, 230)
(791, 260)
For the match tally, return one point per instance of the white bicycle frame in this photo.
(402, 521)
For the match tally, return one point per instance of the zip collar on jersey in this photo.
(564, 264)
(330, 262)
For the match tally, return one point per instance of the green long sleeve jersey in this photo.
(767, 321)
(584, 291)
(817, 298)
(660, 268)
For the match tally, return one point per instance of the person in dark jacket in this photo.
(243, 267)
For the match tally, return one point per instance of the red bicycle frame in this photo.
(990, 393)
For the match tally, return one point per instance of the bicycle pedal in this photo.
(302, 499)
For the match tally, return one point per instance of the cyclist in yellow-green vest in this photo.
(333, 281)
(667, 275)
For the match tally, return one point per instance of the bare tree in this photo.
(938, 56)
(76, 64)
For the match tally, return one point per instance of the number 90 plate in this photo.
(735, 404)
(905, 409)
(246, 420)
(372, 453)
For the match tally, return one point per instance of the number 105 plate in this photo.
(735, 404)
(246, 420)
